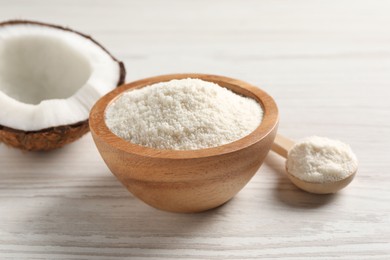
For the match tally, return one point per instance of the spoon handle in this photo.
(282, 145)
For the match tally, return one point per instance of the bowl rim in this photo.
(270, 119)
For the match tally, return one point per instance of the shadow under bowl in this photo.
(190, 180)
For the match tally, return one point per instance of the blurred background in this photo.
(323, 53)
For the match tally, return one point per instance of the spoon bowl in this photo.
(282, 145)
(321, 187)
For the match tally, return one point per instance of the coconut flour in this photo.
(186, 114)
(319, 159)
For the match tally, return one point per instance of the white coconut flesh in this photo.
(50, 77)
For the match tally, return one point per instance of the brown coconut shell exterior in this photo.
(53, 137)
(43, 140)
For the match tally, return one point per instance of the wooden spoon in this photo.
(282, 145)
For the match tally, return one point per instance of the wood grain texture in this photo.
(326, 63)
(186, 181)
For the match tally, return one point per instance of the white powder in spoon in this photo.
(186, 114)
(319, 159)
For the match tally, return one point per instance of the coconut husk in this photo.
(43, 140)
(58, 136)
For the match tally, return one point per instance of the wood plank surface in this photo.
(326, 63)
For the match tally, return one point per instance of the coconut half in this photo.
(50, 77)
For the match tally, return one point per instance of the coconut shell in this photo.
(58, 136)
(43, 140)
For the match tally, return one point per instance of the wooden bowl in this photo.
(191, 180)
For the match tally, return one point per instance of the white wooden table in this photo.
(326, 63)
